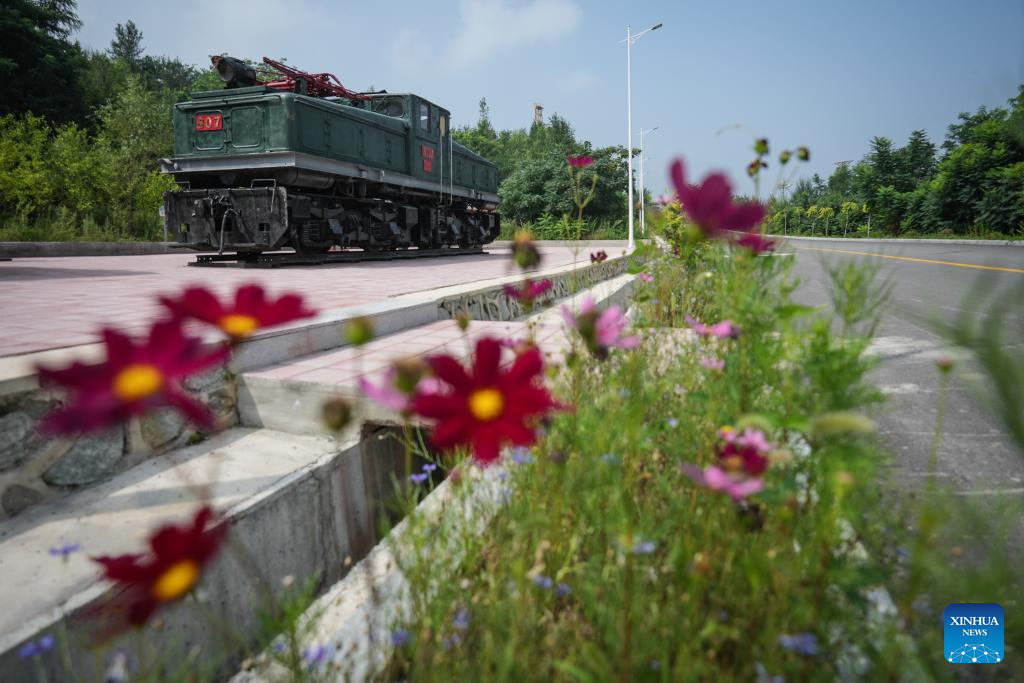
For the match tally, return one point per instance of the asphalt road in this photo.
(931, 282)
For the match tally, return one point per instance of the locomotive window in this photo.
(424, 116)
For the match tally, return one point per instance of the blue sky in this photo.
(828, 74)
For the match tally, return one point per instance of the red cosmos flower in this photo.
(250, 311)
(168, 572)
(529, 291)
(745, 452)
(487, 407)
(756, 242)
(135, 378)
(579, 160)
(710, 206)
(599, 257)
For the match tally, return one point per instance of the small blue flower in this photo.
(562, 590)
(521, 456)
(672, 422)
(502, 475)
(642, 547)
(461, 620)
(65, 549)
(541, 581)
(429, 467)
(625, 393)
(418, 478)
(654, 664)
(611, 459)
(506, 494)
(655, 301)
(801, 643)
(279, 645)
(400, 637)
(314, 655)
(451, 641)
(34, 649)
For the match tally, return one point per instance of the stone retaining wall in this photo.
(494, 304)
(35, 468)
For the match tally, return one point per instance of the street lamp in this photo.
(630, 39)
(643, 214)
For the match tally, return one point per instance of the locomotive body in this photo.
(261, 169)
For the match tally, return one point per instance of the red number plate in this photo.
(209, 122)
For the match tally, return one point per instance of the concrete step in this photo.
(303, 506)
(289, 396)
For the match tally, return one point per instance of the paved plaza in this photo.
(49, 303)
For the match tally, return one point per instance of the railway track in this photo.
(279, 259)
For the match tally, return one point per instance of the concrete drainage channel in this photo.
(304, 504)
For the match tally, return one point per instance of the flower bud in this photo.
(462, 319)
(803, 154)
(842, 422)
(408, 373)
(359, 331)
(945, 363)
(337, 413)
(761, 146)
(784, 156)
(525, 251)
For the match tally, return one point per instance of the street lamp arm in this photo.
(636, 36)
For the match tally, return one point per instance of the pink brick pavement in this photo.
(48, 303)
(342, 367)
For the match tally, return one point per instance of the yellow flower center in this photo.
(733, 463)
(137, 381)
(486, 404)
(238, 325)
(176, 581)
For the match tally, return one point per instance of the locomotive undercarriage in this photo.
(257, 219)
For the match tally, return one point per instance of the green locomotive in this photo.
(303, 163)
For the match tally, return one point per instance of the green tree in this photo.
(40, 69)
(127, 44)
(915, 162)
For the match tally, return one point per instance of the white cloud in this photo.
(487, 28)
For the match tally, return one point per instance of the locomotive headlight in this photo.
(234, 72)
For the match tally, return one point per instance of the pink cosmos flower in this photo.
(579, 160)
(390, 394)
(600, 331)
(710, 205)
(666, 199)
(712, 363)
(645, 277)
(529, 291)
(717, 479)
(723, 330)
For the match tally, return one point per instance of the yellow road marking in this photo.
(918, 260)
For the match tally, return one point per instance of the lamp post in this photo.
(643, 213)
(630, 39)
